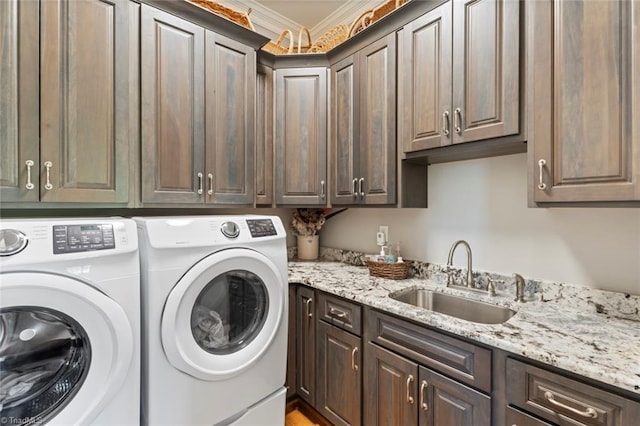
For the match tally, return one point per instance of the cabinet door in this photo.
(584, 110)
(390, 382)
(339, 391)
(230, 124)
(424, 83)
(306, 345)
(486, 70)
(19, 103)
(301, 136)
(172, 80)
(378, 121)
(345, 132)
(446, 402)
(84, 101)
(264, 136)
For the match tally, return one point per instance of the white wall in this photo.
(485, 202)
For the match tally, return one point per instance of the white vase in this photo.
(308, 247)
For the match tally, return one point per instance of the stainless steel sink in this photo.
(459, 307)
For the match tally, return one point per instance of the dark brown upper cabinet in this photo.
(363, 130)
(65, 116)
(459, 75)
(584, 139)
(301, 136)
(198, 109)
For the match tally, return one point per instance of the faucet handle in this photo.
(491, 286)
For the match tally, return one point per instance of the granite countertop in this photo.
(564, 329)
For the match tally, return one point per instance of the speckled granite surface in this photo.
(592, 333)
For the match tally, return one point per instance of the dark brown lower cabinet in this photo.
(516, 417)
(339, 390)
(400, 392)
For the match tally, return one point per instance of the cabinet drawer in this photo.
(461, 360)
(340, 312)
(560, 399)
(518, 418)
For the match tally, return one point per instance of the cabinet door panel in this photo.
(230, 133)
(339, 377)
(19, 103)
(584, 115)
(425, 81)
(84, 102)
(451, 403)
(301, 136)
(378, 121)
(305, 346)
(387, 384)
(345, 130)
(264, 136)
(486, 75)
(172, 108)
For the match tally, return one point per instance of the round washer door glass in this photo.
(223, 314)
(44, 358)
(229, 312)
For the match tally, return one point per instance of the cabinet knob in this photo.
(48, 165)
(29, 164)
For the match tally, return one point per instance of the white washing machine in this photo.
(69, 322)
(214, 309)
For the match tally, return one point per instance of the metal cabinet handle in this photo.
(337, 313)
(361, 187)
(409, 381)
(210, 184)
(590, 412)
(309, 313)
(423, 386)
(200, 183)
(48, 165)
(322, 190)
(355, 187)
(29, 164)
(354, 366)
(541, 185)
(457, 121)
(445, 123)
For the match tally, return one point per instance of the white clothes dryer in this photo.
(214, 309)
(69, 322)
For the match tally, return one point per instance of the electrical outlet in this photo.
(385, 230)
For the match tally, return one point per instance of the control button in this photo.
(12, 242)
(230, 229)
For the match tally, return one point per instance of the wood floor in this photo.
(299, 413)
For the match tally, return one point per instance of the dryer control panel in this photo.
(261, 227)
(85, 237)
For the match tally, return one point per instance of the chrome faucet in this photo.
(519, 288)
(450, 262)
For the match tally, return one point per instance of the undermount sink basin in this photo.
(459, 307)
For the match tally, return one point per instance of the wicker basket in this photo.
(277, 47)
(393, 271)
(226, 12)
(330, 39)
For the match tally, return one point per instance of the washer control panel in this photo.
(80, 238)
(261, 227)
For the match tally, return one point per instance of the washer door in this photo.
(223, 314)
(65, 349)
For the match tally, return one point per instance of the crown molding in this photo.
(345, 14)
(265, 20)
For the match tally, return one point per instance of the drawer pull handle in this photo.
(361, 188)
(337, 313)
(590, 412)
(445, 123)
(29, 164)
(199, 191)
(322, 190)
(210, 178)
(457, 121)
(354, 366)
(423, 386)
(355, 187)
(409, 381)
(307, 303)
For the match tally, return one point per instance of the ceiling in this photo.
(306, 13)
